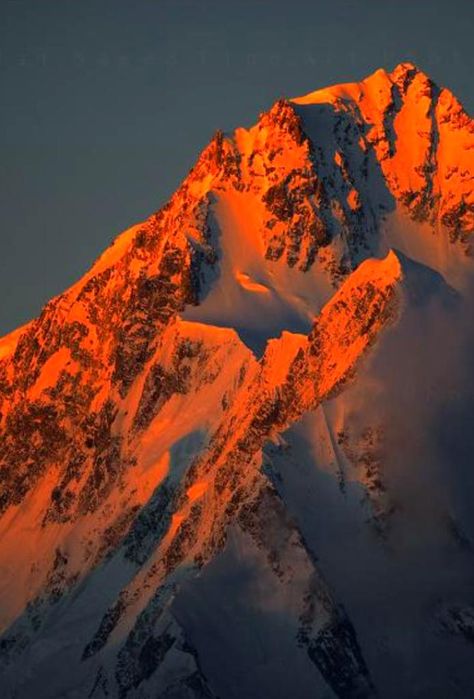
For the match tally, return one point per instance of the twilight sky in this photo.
(107, 103)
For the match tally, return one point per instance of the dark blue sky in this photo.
(106, 104)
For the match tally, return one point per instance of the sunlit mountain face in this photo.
(237, 456)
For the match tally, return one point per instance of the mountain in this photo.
(236, 456)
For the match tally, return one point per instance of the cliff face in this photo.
(171, 423)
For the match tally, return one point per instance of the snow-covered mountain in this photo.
(236, 456)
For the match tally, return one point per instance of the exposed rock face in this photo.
(166, 408)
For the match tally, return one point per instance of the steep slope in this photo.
(186, 521)
(202, 402)
(379, 481)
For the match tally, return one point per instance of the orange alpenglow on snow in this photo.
(193, 413)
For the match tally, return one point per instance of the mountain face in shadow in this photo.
(235, 457)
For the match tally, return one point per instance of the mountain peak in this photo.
(204, 405)
(380, 80)
(405, 68)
